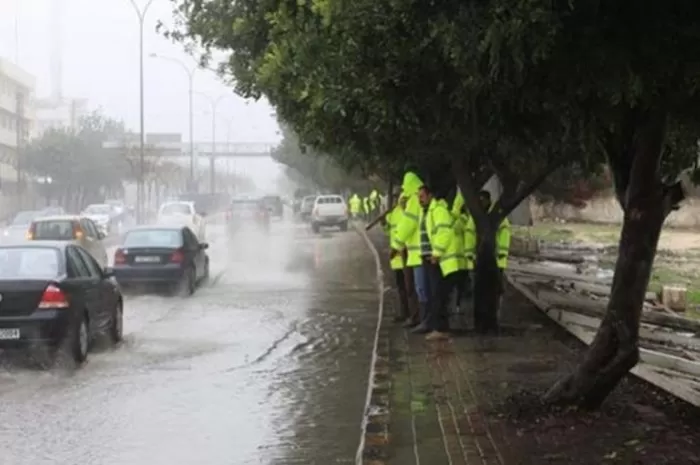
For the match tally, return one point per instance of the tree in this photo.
(322, 170)
(575, 185)
(80, 169)
(627, 70)
(352, 81)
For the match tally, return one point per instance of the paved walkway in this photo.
(475, 400)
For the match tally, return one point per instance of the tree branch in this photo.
(525, 190)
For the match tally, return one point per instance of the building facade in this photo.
(16, 116)
(52, 114)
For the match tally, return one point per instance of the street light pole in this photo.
(214, 102)
(141, 14)
(190, 75)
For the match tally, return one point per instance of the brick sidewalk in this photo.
(468, 401)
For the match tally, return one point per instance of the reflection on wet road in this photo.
(265, 364)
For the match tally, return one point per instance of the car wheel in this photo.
(77, 343)
(344, 226)
(116, 328)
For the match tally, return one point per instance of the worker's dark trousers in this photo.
(465, 288)
(441, 288)
(403, 311)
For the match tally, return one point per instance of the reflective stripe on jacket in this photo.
(443, 239)
(392, 219)
(406, 235)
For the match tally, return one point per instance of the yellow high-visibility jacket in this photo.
(392, 220)
(355, 204)
(503, 243)
(468, 229)
(406, 235)
(439, 224)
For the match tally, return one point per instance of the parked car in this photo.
(329, 210)
(245, 213)
(56, 294)
(182, 213)
(18, 227)
(306, 207)
(169, 256)
(75, 229)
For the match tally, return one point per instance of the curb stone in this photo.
(376, 437)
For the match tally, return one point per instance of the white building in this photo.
(16, 115)
(52, 114)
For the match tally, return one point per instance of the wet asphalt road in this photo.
(265, 364)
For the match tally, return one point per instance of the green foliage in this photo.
(80, 168)
(307, 166)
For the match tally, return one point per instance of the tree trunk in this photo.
(487, 285)
(615, 349)
(646, 202)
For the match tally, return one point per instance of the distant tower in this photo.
(56, 37)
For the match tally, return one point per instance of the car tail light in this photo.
(30, 232)
(315, 212)
(53, 297)
(177, 257)
(77, 232)
(119, 257)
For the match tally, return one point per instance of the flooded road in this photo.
(267, 363)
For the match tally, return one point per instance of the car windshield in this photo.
(29, 263)
(330, 199)
(23, 218)
(101, 209)
(176, 209)
(53, 230)
(153, 238)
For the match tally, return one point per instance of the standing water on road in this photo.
(266, 363)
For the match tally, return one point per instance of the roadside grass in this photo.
(671, 267)
(571, 232)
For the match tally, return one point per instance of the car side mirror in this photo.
(203, 245)
(101, 235)
(108, 272)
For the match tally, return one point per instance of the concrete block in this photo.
(674, 297)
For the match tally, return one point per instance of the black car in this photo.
(55, 295)
(158, 255)
(274, 205)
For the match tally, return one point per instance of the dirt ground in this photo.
(638, 424)
(677, 261)
(675, 240)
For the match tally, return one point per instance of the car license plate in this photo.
(147, 259)
(6, 334)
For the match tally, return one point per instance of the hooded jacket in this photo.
(406, 234)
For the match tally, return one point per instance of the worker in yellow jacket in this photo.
(355, 206)
(466, 228)
(407, 236)
(397, 262)
(503, 235)
(446, 262)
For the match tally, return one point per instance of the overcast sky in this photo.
(100, 63)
